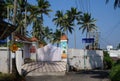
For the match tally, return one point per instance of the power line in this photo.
(89, 6)
(105, 41)
(81, 5)
(76, 3)
(84, 5)
(113, 29)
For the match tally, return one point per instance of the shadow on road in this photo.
(99, 74)
(93, 75)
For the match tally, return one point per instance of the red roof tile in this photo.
(34, 39)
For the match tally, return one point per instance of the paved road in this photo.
(73, 76)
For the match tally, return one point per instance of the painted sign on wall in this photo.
(64, 46)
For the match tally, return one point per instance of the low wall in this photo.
(85, 59)
(6, 60)
(114, 53)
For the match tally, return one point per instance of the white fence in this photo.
(6, 60)
(85, 59)
(114, 53)
(79, 59)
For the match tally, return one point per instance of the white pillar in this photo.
(33, 53)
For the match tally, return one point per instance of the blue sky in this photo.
(108, 19)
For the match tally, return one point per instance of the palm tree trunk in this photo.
(86, 34)
(15, 10)
(14, 17)
(14, 68)
(25, 18)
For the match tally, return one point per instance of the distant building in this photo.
(114, 54)
(109, 47)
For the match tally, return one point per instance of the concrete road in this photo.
(74, 76)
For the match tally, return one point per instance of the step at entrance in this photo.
(44, 68)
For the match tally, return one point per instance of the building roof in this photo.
(19, 37)
(6, 29)
(34, 39)
(22, 38)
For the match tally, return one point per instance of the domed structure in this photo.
(64, 37)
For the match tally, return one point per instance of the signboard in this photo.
(64, 47)
(3, 41)
(88, 40)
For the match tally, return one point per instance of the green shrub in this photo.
(108, 62)
(115, 73)
(117, 62)
(6, 77)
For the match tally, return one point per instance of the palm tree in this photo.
(116, 3)
(62, 21)
(58, 18)
(43, 6)
(56, 37)
(3, 9)
(16, 17)
(20, 15)
(14, 68)
(48, 34)
(3, 15)
(87, 24)
(74, 15)
(67, 25)
(36, 16)
(37, 28)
